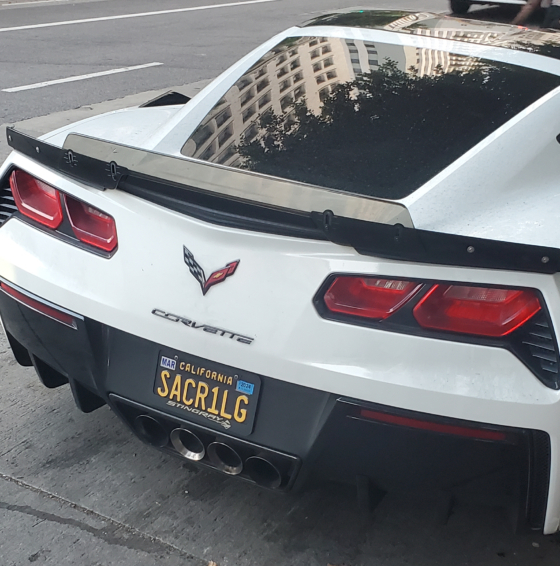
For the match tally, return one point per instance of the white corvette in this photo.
(340, 258)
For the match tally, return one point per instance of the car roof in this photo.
(429, 24)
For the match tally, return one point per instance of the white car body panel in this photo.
(130, 126)
(501, 170)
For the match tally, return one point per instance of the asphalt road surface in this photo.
(80, 489)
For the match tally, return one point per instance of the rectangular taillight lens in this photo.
(36, 200)
(91, 225)
(368, 297)
(482, 311)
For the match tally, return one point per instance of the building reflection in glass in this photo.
(368, 118)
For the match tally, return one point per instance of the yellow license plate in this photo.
(207, 392)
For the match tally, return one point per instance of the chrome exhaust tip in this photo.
(187, 444)
(225, 458)
(263, 472)
(150, 430)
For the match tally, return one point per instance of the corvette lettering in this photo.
(205, 327)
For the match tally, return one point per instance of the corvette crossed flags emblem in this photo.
(214, 278)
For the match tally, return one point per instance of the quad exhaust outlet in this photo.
(225, 458)
(232, 456)
(187, 444)
(263, 472)
(151, 430)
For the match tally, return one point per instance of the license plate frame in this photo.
(227, 400)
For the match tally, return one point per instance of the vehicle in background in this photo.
(462, 6)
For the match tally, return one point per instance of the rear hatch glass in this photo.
(370, 119)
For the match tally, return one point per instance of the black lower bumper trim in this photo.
(129, 411)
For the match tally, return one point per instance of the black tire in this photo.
(459, 6)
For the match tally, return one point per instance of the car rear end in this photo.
(237, 314)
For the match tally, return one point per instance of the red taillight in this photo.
(368, 297)
(476, 310)
(39, 306)
(36, 199)
(42, 203)
(90, 225)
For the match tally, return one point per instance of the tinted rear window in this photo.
(367, 118)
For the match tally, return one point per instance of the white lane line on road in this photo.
(32, 2)
(80, 77)
(139, 15)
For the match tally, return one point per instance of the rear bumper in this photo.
(300, 431)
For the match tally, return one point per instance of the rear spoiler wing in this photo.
(373, 227)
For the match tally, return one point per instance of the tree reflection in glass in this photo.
(382, 130)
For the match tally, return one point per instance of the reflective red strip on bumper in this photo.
(38, 306)
(481, 434)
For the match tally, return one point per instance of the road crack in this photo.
(116, 533)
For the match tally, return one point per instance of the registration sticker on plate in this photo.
(207, 392)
